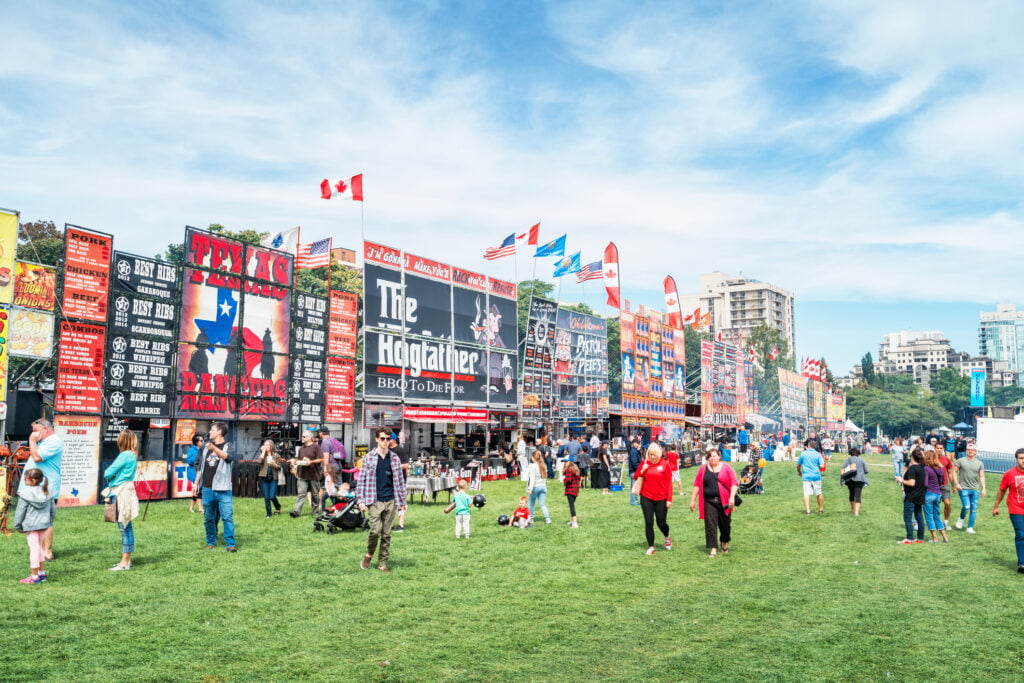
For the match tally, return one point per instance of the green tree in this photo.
(896, 413)
(951, 389)
(614, 359)
(896, 384)
(1003, 396)
(41, 242)
(867, 368)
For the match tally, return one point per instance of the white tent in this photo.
(850, 427)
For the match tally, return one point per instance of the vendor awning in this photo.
(445, 414)
(760, 421)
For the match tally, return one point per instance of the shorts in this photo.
(944, 490)
(812, 488)
(675, 476)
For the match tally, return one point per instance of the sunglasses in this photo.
(383, 438)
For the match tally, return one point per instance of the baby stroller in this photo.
(750, 479)
(344, 516)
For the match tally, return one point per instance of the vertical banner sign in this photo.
(341, 381)
(429, 341)
(309, 358)
(977, 387)
(706, 395)
(80, 464)
(86, 273)
(234, 333)
(653, 370)
(581, 365)
(344, 324)
(142, 333)
(4, 330)
(793, 399)
(80, 368)
(538, 361)
(720, 377)
(8, 249)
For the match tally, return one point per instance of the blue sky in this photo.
(866, 156)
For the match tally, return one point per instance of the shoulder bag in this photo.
(110, 510)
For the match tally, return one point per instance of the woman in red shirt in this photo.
(715, 487)
(654, 486)
(571, 480)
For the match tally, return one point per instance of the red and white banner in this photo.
(445, 414)
(343, 189)
(611, 274)
(672, 305)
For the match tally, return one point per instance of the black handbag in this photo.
(737, 501)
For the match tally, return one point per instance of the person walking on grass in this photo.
(120, 478)
(308, 474)
(1012, 486)
(969, 481)
(571, 482)
(809, 466)
(913, 497)
(34, 515)
(192, 460)
(537, 485)
(946, 490)
(636, 457)
(46, 451)
(934, 480)
(215, 478)
(714, 489)
(381, 491)
(270, 466)
(654, 486)
(855, 477)
(896, 451)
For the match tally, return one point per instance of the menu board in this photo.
(344, 324)
(138, 376)
(31, 333)
(135, 316)
(145, 277)
(341, 380)
(80, 368)
(86, 273)
(309, 388)
(80, 465)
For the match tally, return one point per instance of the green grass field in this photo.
(797, 598)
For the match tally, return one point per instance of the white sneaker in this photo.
(970, 529)
(959, 524)
(120, 568)
(948, 527)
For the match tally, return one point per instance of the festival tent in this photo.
(850, 427)
(759, 421)
(961, 425)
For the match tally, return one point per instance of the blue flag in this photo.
(569, 264)
(552, 248)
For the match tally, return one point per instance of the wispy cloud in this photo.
(815, 146)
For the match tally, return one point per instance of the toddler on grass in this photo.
(462, 502)
(33, 517)
(521, 515)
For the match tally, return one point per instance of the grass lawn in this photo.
(797, 598)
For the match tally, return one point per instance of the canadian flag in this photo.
(774, 353)
(341, 189)
(611, 274)
(675, 311)
(531, 235)
(821, 371)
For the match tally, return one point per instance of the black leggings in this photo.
(855, 489)
(715, 520)
(654, 509)
(572, 504)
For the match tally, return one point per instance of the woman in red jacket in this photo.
(715, 487)
(654, 486)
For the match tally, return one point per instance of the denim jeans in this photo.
(1018, 536)
(931, 511)
(633, 498)
(269, 487)
(969, 503)
(897, 466)
(912, 513)
(218, 505)
(539, 494)
(127, 535)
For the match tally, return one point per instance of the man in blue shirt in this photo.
(46, 450)
(572, 450)
(809, 466)
(743, 439)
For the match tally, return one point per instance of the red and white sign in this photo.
(86, 274)
(469, 279)
(341, 387)
(445, 414)
(80, 368)
(418, 265)
(385, 256)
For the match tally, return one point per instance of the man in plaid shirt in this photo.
(381, 490)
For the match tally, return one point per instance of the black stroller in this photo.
(343, 516)
(750, 479)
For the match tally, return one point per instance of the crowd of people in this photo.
(927, 472)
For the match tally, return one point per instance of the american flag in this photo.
(590, 271)
(314, 255)
(507, 248)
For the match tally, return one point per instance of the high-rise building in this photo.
(739, 304)
(913, 353)
(1001, 337)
